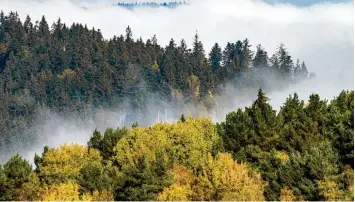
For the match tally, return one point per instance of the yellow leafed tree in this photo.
(330, 190)
(224, 179)
(282, 157)
(65, 162)
(189, 142)
(181, 189)
(155, 66)
(175, 193)
(104, 195)
(194, 86)
(67, 74)
(287, 194)
(61, 192)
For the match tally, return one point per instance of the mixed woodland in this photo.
(73, 70)
(302, 151)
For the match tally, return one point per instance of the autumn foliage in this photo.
(300, 153)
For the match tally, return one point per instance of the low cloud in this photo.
(322, 35)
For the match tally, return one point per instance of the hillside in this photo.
(73, 70)
(304, 152)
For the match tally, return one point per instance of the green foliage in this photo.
(296, 147)
(106, 143)
(16, 172)
(182, 118)
(94, 177)
(72, 69)
(300, 153)
(143, 181)
(2, 184)
(341, 125)
(303, 152)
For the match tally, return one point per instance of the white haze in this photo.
(321, 35)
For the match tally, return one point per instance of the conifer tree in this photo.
(215, 58)
(261, 59)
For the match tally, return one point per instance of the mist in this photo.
(322, 35)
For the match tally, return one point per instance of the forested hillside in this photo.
(73, 70)
(303, 152)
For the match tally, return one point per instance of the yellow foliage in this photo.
(24, 51)
(224, 179)
(177, 95)
(155, 66)
(348, 178)
(66, 161)
(181, 175)
(330, 190)
(103, 195)
(188, 142)
(61, 192)
(349, 196)
(210, 94)
(67, 73)
(282, 157)
(3, 48)
(175, 193)
(287, 194)
(181, 189)
(194, 84)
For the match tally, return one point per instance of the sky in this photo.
(304, 2)
(321, 34)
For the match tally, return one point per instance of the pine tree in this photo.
(247, 56)
(200, 66)
(215, 58)
(297, 71)
(143, 181)
(43, 28)
(304, 71)
(17, 172)
(286, 65)
(182, 118)
(261, 59)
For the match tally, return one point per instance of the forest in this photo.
(73, 70)
(303, 151)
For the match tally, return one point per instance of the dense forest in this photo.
(303, 152)
(73, 70)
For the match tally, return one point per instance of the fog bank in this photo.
(322, 35)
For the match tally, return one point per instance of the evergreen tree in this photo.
(261, 59)
(247, 55)
(215, 58)
(304, 71)
(142, 181)
(182, 118)
(286, 65)
(17, 172)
